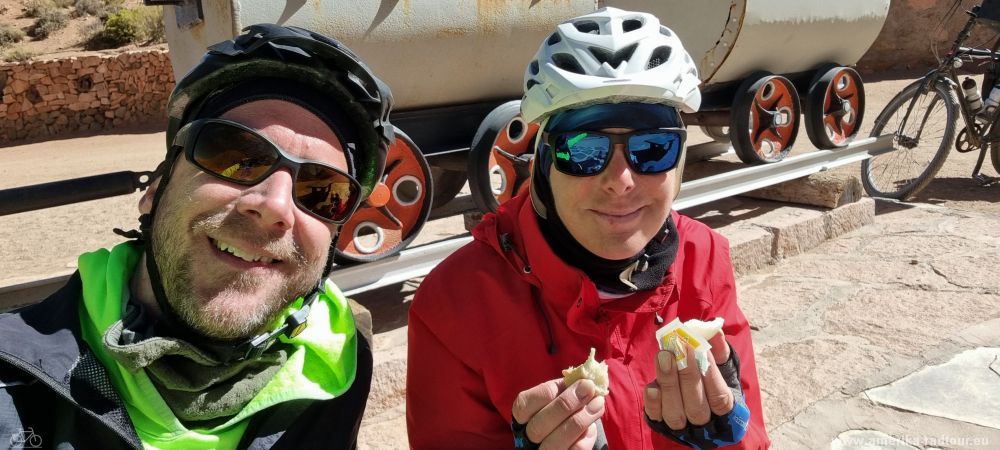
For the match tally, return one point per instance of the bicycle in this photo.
(922, 145)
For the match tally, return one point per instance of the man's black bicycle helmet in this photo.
(300, 57)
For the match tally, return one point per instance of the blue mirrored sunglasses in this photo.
(584, 153)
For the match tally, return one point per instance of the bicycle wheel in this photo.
(920, 144)
(995, 157)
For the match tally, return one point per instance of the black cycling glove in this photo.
(521, 441)
(720, 431)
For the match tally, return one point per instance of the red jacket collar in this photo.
(513, 231)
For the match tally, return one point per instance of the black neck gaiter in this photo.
(641, 272)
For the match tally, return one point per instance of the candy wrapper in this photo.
(695, 333)
(590, 370)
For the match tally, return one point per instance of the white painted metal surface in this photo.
(431, 53)
(731, 39)
(458, 51)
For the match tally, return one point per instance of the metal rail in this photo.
(418, 261)
(736, 182)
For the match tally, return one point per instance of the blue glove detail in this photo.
(521, 441)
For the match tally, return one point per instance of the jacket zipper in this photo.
(42, 376)
(638, 387)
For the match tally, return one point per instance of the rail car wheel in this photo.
(834, 107)
(500, 156)
(395, 211)
(765, 118)
(718, 134)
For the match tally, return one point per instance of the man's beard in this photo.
(228, 313)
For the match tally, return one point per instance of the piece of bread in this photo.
(707, 330)
(696, 333)
(590, 370)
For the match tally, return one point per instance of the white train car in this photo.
(456, 67)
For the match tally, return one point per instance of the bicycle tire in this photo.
(919, 164)
(995, 157)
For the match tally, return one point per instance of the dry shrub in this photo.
(19, 55)
(97, 8)
(142, 25)
(36, 8)
(47, 23)
(9, 35)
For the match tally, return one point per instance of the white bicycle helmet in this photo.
(609, 56)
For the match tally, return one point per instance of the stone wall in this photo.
(43, 99)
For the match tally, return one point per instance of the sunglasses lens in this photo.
(326, 192)
(581, 153)
(233, 153)
(655, 151)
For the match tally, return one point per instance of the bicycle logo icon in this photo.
(26, 439)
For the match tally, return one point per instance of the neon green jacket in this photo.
(317, 396)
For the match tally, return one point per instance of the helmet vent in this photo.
(587, 26)
(533, 67)
(658, 57)
(666, 31)
(613, 59)
(631, 25)
(553, 39)
(530, 84)
(567, 62)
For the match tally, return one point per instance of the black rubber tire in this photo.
(479, 154)
(346, 257)
(995, 157)
(739, 126)
(447, 185)
(816, 99)
(923, 161)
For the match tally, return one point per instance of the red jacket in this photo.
(478, 335)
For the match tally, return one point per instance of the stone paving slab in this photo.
(914, 289)
(965, 388)
(868, 440)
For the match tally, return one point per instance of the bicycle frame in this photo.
(947, 72)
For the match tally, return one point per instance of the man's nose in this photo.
(270, 201)
(618, 177)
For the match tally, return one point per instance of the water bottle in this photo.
(972, 97)
(994, 100)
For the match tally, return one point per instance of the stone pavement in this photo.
(911, 291)
(850, 325)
